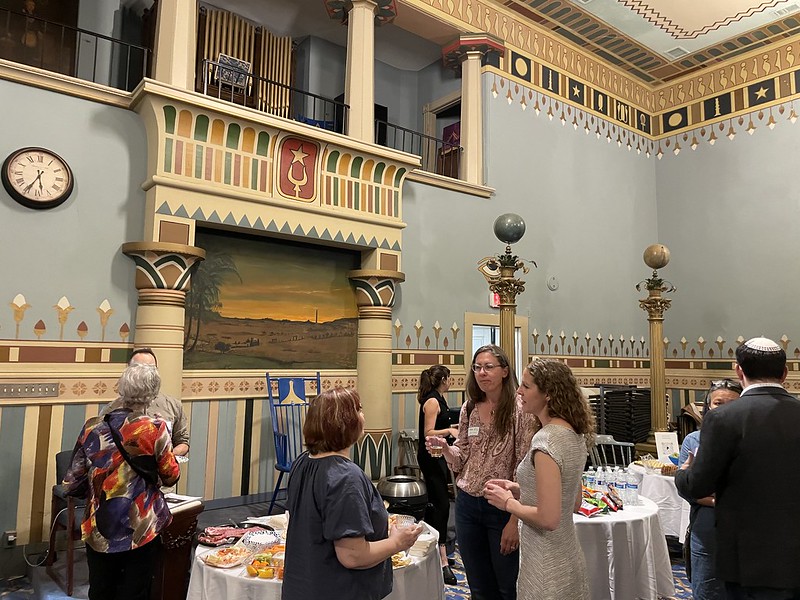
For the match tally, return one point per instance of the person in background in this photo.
(548, 486)
(749, 449)
(493, 437)
(701, 518)
(125, 513)
(338, 542)
(164, 407)
(434, 419)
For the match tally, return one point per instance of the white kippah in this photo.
(762, 344)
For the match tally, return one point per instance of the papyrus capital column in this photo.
(163, 275)
(467, 53)
(375, 295)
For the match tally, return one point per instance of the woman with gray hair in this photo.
(119, 461)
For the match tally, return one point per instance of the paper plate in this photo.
(256, 541)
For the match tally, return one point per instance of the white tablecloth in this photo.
(626, 554)
(673, 511)
(419, 581)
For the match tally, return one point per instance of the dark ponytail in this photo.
(430, 379)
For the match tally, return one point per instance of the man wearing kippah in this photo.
(748, 457)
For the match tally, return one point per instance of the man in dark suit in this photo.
(749, 453)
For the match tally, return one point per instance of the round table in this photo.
(673, 511)
(626, 554)
(421, 580)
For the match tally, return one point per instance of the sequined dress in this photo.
(552, 566)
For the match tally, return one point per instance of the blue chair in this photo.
(288, 406)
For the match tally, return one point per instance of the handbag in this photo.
(144, 465)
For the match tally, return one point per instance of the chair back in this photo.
(288, 406)
(608, 452)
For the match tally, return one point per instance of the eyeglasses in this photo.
(728, 384)
(487, 368)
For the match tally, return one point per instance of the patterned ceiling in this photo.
(658, 41)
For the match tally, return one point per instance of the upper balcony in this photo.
(295, 76)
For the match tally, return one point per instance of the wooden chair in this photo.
(63, 518)
(288, 407)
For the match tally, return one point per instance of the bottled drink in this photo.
(591, 478)
(601, 479)
(632, 486)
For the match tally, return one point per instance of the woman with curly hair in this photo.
(548, 484)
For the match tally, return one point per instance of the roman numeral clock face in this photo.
(37, 178)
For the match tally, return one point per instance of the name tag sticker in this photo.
(472, 431)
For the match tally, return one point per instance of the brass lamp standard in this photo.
(656, 257)
(500, 271)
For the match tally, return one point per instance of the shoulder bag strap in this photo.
(118, 442)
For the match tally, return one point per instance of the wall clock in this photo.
(37, 177)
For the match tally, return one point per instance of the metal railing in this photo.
(72, 51)
(438, 156)
(228, 83)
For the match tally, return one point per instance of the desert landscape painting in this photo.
(265, 303)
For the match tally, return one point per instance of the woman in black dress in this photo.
(434, 419)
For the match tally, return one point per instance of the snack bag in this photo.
(587, 509)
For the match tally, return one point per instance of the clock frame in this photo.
(37, 177)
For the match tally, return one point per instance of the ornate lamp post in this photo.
(500, 271)
(656, 257)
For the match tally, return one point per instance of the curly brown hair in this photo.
(565, 399)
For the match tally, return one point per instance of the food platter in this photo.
(226, 558)
(401, 559)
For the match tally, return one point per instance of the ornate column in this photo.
(163, 274)
(175, 48)
(467, 54)
(359, 85)
(375, 292)
(499, 272)
(656, 257)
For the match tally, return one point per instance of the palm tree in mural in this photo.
(202, 299)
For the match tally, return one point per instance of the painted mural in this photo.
(264, 303)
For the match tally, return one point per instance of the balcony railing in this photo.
(438, 156)
(71, 51)
(233, 85)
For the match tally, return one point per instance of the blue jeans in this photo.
(479, 526)
(705, 585)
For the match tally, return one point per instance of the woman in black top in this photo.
(434, 419)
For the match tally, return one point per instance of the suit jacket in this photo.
(748, 457)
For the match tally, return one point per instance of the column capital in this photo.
(162, 265)
(385, 10)
(375, 288)
(483, 43)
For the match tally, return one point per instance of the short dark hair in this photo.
(761, 365)
(142, 351)
(332, 422)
